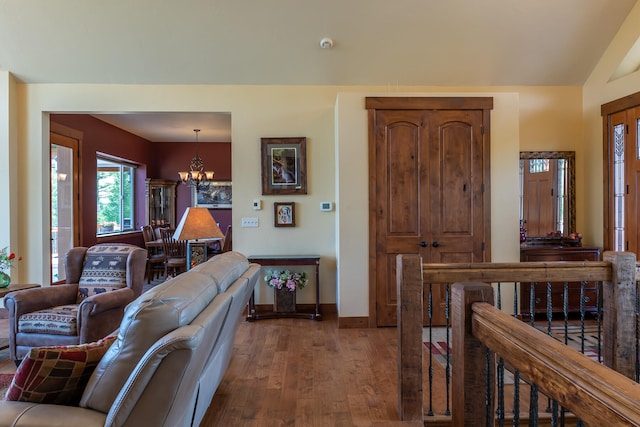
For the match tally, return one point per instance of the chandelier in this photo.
(196, 173)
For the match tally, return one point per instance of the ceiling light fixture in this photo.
(196, 174)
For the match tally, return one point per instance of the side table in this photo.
(16, 287)
(279, 260)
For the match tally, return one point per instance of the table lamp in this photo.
(197, 223)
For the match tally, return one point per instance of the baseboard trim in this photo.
(353, 322)
(327, 310)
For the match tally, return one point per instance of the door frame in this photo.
(423, 103)
(77, 184)
(606, 111)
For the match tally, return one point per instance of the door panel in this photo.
(397, 200)
(428, 197)
(539, 202)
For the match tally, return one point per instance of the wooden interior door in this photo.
(621, 122)
(538, 199)
(429, 195)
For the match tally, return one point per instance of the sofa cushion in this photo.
(56, 374)
(106, 265)
(224, 268)
(60, 320)
(155, 313)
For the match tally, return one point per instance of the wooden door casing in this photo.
(428, 192)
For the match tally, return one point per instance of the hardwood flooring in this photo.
(298, 372)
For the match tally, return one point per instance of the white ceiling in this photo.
(276, 42)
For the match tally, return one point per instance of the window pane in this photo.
(618, 188)
(115, 184)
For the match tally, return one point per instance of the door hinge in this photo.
(483, 246)
(482, 129)
(482, 187)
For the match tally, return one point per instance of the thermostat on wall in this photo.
(326, 206)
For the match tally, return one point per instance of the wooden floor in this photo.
(297, 372)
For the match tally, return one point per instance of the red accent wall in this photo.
(171, 157)
(156, 159)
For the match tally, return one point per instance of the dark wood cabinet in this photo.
(541, 294)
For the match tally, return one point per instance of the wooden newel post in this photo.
(469, 359)
(410, 381)
(619, 313)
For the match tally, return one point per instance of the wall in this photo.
(100, 137)
(157, 160)
(170, 157)
(334, 121)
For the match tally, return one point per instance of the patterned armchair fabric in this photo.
(101, 281)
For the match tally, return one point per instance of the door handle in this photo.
(423, 244)
(435, 244)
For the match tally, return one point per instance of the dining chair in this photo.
(155, 251)
(227, 244)
(175, 253)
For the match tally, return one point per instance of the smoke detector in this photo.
(326, 43)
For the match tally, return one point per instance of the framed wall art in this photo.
(284, 165)
(284, 214)
(213, 195)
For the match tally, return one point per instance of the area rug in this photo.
(5, 382)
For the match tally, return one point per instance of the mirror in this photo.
(547, 193)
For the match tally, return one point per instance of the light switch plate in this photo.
(250, 222)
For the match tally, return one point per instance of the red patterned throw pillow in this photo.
(57, 374)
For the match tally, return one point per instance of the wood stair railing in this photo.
(617, 273)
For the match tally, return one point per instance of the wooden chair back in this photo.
(228, 244)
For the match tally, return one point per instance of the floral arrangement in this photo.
(279, 279)
(7, 258)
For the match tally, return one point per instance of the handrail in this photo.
(617, 273)
(588, 389)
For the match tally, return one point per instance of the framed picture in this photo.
(284, 165)
(213, 195)
(284, 214)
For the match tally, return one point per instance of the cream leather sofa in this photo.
(173, 348)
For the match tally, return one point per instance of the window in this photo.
(115, 196)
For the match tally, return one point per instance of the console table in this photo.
(280, 260)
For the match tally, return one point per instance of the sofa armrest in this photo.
(98, 303)
(36, 414)
(99, 315)
(30, 300)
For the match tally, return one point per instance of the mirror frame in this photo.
(570, 157)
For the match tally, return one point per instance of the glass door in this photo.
(64, 202)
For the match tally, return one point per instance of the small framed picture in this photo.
(284, 214)
(212, 195)
(284, 165)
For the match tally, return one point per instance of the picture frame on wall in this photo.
(284, 165)
(284, 214)
(212, 195)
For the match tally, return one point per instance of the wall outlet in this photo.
(250, 222)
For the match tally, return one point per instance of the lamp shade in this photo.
(197, 223)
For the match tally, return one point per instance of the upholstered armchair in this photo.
(101, 281)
